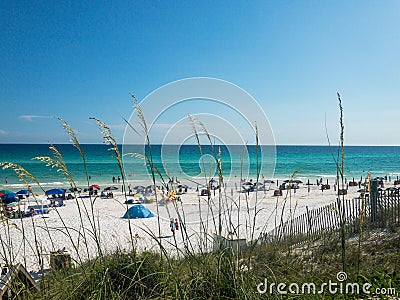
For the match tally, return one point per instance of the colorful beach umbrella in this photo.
(111, 188)
(55, 192)
(139, 187)
(10, 197)
(183, 186)
(23, 192)
(1, 194)
(95, 186)
(5, 192)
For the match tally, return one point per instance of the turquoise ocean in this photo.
(186, 161)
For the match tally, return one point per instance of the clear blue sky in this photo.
(77, 59)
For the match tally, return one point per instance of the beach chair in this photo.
(37, 209)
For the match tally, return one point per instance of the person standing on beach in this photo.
(172, 226)
(176, 224)
(119, 179)
(130, 189)
(113, 179)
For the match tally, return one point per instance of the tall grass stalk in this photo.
(339, 161)
(203, 227)
(205, 132)
(361, 223)
(194, 124)
(241, 179)
(57, 162)
(75, 142)
(149, 157)
(258, 170)
(341, 173)
(23, 175)
(111, 142)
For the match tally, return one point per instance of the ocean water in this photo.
(187, 162)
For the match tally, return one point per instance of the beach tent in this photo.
(138, 211)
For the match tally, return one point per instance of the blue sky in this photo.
(81, 59)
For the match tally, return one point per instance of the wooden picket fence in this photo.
(381, 209)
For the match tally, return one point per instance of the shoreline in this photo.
(233, 182)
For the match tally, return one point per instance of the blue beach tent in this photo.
(138, 211)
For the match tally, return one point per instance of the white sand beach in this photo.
(54, 230)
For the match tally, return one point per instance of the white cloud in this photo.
(3, 132)
(30, 118)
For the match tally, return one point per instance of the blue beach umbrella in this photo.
(10, 197)
(55, 192)
(23, 192)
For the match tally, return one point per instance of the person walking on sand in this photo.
(172, 226)
(176, 224)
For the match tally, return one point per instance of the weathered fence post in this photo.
(309, 221)
(374, 199)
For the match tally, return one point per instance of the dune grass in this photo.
(221, 276)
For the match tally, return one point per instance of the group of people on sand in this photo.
(174, 225)
(106, 195)
(115, 180)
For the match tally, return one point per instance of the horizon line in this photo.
(156, 144)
